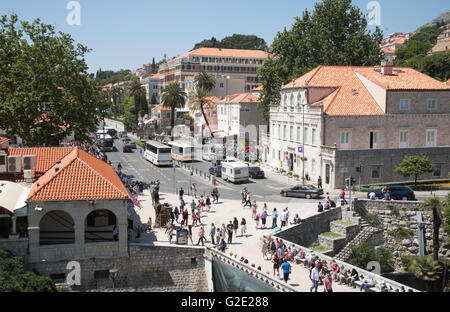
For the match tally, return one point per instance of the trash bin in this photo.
(182, 237)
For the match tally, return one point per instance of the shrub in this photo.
(401, 233)
(362, 254)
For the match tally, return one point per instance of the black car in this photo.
(255, 172)
(216, 171)
(397, 192)
(307, 191)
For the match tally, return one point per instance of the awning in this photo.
(133, 199)
(13, 198)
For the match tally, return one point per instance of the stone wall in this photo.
(147, 268)
(399, 223)
(386, 160)
(307, 232)
(18, 247)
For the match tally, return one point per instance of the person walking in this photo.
(283, 218)
(192, 206)
(254, 209)
(276, 264)
(212, 233)
(314, 276)
(244, 194)
(194, 190)
(327, 283)
(286, 266)
(235, 226)
(201, 236)
(181, 193)
(247, 200)
(230, 232)
(190, 233)
(208, 203)
(176, 213)
(319, 183)
(149, 224)
(185, 217)
(274, 218)
(243, 227)
(263, 218)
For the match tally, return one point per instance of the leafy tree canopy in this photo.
(335, 33)
(415, 165)
(45, 91)
(14, 278)
(236, 41)
(110, 76)
(362, 254)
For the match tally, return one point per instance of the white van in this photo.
(235, 171)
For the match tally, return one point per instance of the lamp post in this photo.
(113, 275)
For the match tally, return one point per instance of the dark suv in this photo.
(397, 192)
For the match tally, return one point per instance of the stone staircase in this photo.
(364, 235)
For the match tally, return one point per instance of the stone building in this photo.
(332, 115)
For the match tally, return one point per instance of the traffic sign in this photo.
(300, 149)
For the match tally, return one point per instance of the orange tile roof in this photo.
(215, 52)
(3, 138)
(247, 97)
(80, 176)
(344, 101)
(155, 76)
(258, 88)
(46, 157)
(448, 82)
(160, 107)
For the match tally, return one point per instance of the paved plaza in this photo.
(248, 247)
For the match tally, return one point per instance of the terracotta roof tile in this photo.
(46, 157)
(80, 176)
(247, 97)
(3, 138)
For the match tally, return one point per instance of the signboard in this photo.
(344, 170)
(300, 149)
(133, 199)
(182, 237)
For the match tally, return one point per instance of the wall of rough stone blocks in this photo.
(401, 215)
(148, 268)
(387, 160)
(307, 232)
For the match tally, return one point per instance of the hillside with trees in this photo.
(110, 76)
(236, 41)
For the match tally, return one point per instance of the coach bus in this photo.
(111, 131)
(182, 151)
(106, 142)
(157, 153)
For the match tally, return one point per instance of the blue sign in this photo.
(300, 149)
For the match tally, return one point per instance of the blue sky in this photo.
(126, 34)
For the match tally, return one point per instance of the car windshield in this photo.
(254, 169)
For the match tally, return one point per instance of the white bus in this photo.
(111, 131)
(182, 151)
(157, 153)
(235, 171)
(106, 142)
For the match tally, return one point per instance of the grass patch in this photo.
(331, 235)
(345, 223)
(319, 248)
(139, 143)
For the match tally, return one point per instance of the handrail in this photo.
(252, 271)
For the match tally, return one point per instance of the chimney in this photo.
(386, 67)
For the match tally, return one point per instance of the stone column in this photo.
(79, 241)
(123, 239)
(14, 224)
(33, 244)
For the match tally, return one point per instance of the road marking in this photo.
(258, 196)
(182, 181)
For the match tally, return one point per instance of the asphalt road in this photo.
(136, 167)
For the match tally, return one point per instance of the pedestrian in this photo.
(342, 197)
(222, 245)
(235, 225)
(274, 218)
(194, 190)
(244, 194)
(218, 235)
(115, 233)
(176, 213)
(190, 233)
(247, 200)
(257, 218)
(181, 193)
(276, 264)
(230, 232)
(149, 224)
(286, 266)
(283, 218)
(327, 283)
(254, 209)
(243, 227)
(212, 233)
(192, 206)
(208, 203)
(314, 276)
(287, 215)
(201, 235)
(185, 217)
(169, 232)
(182, 204)
(264, 249)
(319, 207)
(319, 183)
(263, 218)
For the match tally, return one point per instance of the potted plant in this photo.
(139, 230)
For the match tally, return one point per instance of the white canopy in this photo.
(13, 197)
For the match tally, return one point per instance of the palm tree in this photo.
(435, 204)
(138, 92)
(205, 81)
(174, 97)
(116, 93)
(425, 268)
(200, 100)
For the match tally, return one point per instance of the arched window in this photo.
(299, 99)
(292, 100)
(99, 226)
(56, 227)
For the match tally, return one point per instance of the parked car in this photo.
(307, 191)
(255, 172)
(127, 148)
(131, 143)
(397, 192)
(208, 156)
(216, 171)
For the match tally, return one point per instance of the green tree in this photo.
(186, 117)
(435, 204)
(45, 90)
(416, 165)
(128, 117)
(14, 278)
(236, 41)
(174, 97)
(205, 81)
(447, 216)
(138, 92)
(362, 254)
(335, 33)
(200, 100)
(436, 66)
(425, 268)
(153, 100)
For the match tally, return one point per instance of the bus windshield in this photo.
(164, 150)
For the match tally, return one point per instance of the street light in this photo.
(113, 275)
(303, 131)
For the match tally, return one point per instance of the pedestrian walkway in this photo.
(248, 247)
